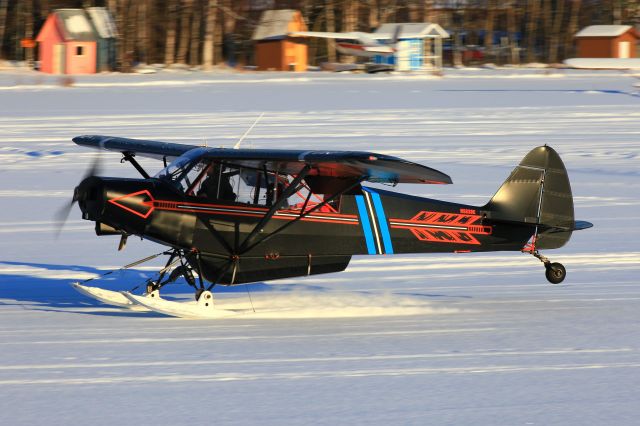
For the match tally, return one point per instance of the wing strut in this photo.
(274, 208)
(129, 156)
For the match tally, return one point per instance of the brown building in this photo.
(274, 49)
(607, 41)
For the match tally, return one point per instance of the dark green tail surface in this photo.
(537, 193)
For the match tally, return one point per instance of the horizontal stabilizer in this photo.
(579, 225)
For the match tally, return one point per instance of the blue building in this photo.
(419, 46)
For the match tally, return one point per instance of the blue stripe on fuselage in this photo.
(366, 224)
(382, 221)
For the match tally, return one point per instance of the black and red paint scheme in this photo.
(271, 234)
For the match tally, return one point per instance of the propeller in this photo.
(61, 216)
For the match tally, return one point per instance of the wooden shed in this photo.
(607, 41)
(274, 50)
(73, 41)
(106, 36)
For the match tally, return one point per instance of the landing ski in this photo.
(202, 309)
(109, 297)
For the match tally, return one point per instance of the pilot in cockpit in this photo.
(216, 185)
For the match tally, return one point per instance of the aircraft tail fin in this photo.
(396, 34)
(538, 193)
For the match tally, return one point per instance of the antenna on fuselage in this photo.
(237, 145)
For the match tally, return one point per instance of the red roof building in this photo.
(607, 41)
(274, 49)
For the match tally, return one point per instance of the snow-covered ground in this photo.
(442, 339)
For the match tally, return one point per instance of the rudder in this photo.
(538, 193)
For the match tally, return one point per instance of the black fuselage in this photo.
(288, 242)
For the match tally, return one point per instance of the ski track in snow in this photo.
(420, 339)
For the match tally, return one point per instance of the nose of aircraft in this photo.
(90, 197)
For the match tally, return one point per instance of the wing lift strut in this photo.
(130, 157)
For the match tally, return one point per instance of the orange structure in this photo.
(274, 49)
(68, 43)
(607, 41)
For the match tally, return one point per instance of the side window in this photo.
(79, 50)
(303, 197)
(213, 182)
(253, 186)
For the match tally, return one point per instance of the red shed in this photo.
(275, 50)
(607, 41)
(67, 43)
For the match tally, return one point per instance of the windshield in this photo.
(177, 172)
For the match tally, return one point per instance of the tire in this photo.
(555, 273)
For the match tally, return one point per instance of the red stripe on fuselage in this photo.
(247, 211)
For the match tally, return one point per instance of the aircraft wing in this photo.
(368, 166)
(324, 34)
(143, 148)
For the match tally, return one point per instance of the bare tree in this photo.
(513, 29)
(429, 11)
(230, 17)
(45, 8)
(388, 9)
(143, 31)
(331, 27)
(547, 19)
(185, 32)
(3, 21)
(170, 40)
(28, 29)
(349, 23)
(488, 27)
(534, 16)
(374, 11)
(414, 11)
(573, 27)
(129, 20)
(617, 11)
(195, 33)
(555, 32)
(313, 43)
(209, 32)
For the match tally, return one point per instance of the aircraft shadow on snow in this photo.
(35, 292)
(56, 294)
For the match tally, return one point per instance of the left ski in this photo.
(113, 298)
(202, 309)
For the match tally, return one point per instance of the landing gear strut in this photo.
(183, 270)
(555, 272)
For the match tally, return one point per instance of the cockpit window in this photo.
(176, 171)
(214, 180)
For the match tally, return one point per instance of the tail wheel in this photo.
(555, 273)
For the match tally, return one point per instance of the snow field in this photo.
(442, 339)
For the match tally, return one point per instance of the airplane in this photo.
(233, 216)
(357, 43)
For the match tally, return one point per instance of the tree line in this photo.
(210, 32)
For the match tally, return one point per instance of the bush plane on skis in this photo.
(233, 216)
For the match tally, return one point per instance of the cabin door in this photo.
(59, 54)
